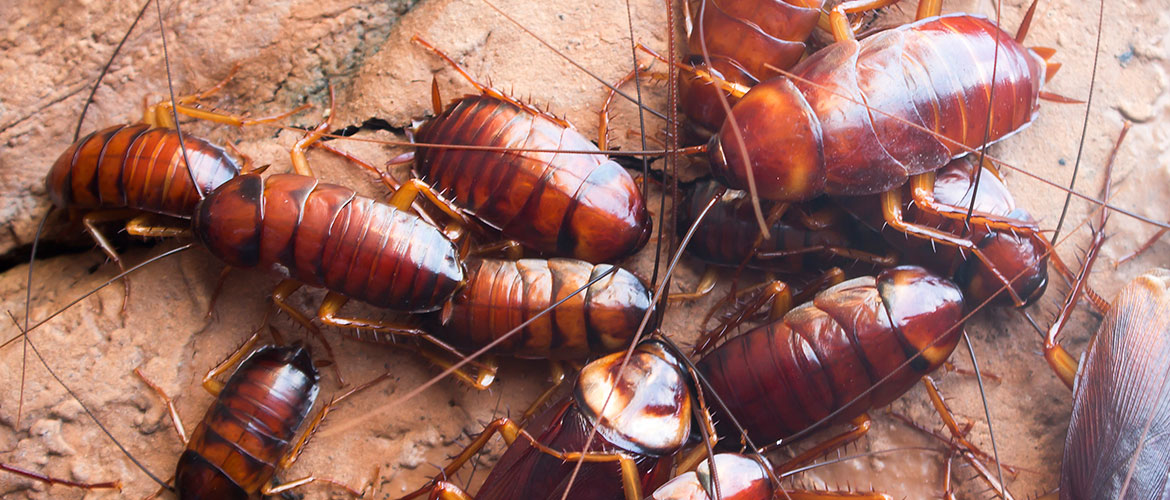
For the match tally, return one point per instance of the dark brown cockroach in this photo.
(250, 432)
(808, 236)
(583, 206)
(857, 345)
(642, 417)
(1020, 256)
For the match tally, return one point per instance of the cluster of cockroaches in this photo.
(862, 121)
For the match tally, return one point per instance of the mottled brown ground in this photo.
(290, 50)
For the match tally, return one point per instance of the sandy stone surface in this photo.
(290, 51)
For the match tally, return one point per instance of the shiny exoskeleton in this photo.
(861, 117)
(502, 294)
(1011, 253)
(251, 426)
(783, 377)
(583, 206)
(745, 40)
(643, 417)
(328, 236)
(138, 167)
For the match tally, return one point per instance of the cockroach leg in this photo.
(176, 421)
(860, 425)
(91, 220)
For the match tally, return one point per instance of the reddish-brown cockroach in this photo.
(865, 117)
(857, 345)
(575, 205)
(249, 432)
(147, 168)
(500, 295)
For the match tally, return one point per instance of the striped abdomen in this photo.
(781, 378)
(328, 236)
(863, 116)
(573, 205)
(251, 425)
(502, 294)
(139, 167)
(745, 40)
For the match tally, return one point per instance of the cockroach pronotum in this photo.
(860, 343)
(575, 205)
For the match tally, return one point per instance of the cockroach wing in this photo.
(1118, 443)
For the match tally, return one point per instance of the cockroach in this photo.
(501, 294)
(641, 416)
(1115, 446)
(1022, 256)
(583, 206)
(865, 117)
(810, 236)
(249, 432)
(857, 345)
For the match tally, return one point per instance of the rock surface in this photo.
(289, 51)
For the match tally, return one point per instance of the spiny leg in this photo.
(160, 114)
(486, 90)
(280, 298)
(892, 209)
(385, 332)
(858, 427)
